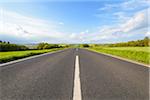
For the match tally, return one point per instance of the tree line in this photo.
(48, 46)
(138, 43)
(7, 46)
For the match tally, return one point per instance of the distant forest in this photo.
(7, 46)
(138, 43)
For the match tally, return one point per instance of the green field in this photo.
(140, 54)
(13, 55)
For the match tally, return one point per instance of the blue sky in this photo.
(103, 21)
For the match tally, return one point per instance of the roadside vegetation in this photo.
(141, 54)
(7, 46)
(135, 50)
(13, 55)
(9, 52)
(138, 50)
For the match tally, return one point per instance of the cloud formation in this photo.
(128, 5)
(130, 27)
(28, 28)
(18, 28)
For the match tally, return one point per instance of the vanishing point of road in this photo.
(74, 74)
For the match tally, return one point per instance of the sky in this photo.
(73, 21)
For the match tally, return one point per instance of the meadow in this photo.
(13, 55)
(139, 54)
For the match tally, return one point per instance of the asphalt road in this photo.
(51, 77)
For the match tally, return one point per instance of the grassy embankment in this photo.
(140, 54)
(13, 55)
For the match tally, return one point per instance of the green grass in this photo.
(140, 54)
(13, 55)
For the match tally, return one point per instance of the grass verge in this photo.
(14, 55)
(139, 54)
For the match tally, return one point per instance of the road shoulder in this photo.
(120, 58)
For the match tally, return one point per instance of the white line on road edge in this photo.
(77, 84)
(30, 57)
(121, 58)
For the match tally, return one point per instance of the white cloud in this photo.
(121, 16)
(133, 4)
(130, 27)
(147, 34)
(19, 26)
(61, 23)
(108, 7)
(128, 5)
(138, 21)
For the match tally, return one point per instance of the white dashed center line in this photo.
(77, 84)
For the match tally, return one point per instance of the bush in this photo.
(47, 46)
(84, 45)
(11, 47)
(138, 43)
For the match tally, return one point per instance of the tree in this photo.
(41, 45)
(47, 46)
(11, 47)
(85, 45)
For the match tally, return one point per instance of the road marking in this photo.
(77, 84)
(121, 58)
(30, 57)
(76, 49)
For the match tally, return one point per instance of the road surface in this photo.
(74, 74)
